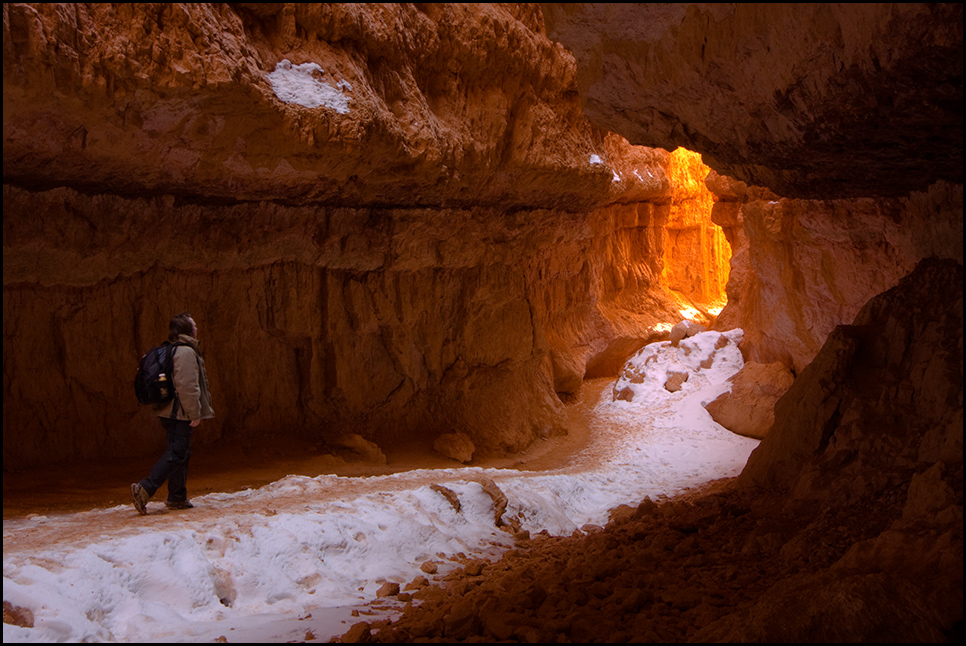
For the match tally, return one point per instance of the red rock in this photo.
(457, 446)
(749, 407)
(779, 98)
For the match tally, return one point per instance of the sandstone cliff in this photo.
(801, 267)
(395, 220)
(823, 101)
(390, 220)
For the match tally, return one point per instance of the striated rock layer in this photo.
(855, 111)
(407, 230)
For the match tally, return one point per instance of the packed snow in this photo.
(292, 560)
(303, 84)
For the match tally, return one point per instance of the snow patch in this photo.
(303, 84)
(271, 563)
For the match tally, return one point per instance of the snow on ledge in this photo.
(302, 84)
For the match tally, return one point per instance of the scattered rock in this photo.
(749, 409)
(457, 446)
(418, 583)
(429, 567)
(674, 381)
(360, 633)
(474, 568)
(624, 394)
(388, 589)
(449, 494)
(17, 615)
(683, 330)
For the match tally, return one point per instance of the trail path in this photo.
(300, 555)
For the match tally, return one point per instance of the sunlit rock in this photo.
(749, 407)
(674, 381)
(391, 244)
(684, 329)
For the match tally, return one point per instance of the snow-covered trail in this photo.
(297, 555)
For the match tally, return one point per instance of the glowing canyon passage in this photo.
(431, 233)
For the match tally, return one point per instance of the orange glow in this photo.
(697, 257)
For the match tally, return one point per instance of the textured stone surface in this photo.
(851, 534)
(819, 100)
(448, 243)
(447, 249)
(840, 417)
(457, 446)
(749, 407)
(826, 102)
(801, 267)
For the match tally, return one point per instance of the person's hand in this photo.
(195, 422)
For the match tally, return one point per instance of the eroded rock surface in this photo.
(801, 267)
(847, 525)
(406, 228)
(819, 101)
(749, 407)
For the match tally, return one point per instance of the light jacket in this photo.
(190, 382)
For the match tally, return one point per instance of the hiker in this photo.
(191, 404)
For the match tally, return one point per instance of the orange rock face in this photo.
(698, 255)
(809, 265)
(407, 230)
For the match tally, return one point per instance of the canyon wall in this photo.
(811, 265)
(387, 220)
(842, 128)
(841, 124)
(817, 101)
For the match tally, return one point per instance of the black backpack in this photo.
(153, 383)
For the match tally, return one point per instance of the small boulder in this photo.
(361, 447)
(624, 394)
(360, 633)
(674, 381)
(683, 330)
(749, 409)
(388, 589)
(457, 446)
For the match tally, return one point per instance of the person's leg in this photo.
(178, 479)
(174, 462)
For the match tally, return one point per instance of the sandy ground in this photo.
(70, 488)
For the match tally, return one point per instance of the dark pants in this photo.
(173, 465)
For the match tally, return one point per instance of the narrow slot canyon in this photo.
(546, 323)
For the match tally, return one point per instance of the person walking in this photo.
(191, 404)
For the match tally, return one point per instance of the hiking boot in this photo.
(140, 498)
(182, 504)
